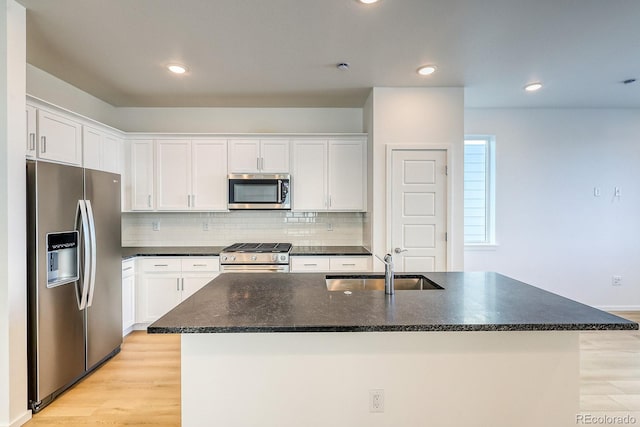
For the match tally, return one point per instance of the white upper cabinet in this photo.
(32, 131)
(309, 175)
(347, 177)
(191, 175)
(60, 139)
(173, 175)
(100, 150)
(258, 156)
(142, 175)
(209, 174)
(329, 175)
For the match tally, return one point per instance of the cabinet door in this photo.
(111, 154)
(346, 175)
(142, 189)
(60, 138)
(309, 175)
(209, 175)
(128, 302)
(91, 148)
(173, 172)
(31, 142)
(157, 295)
(193, 282)
(244, 155)
(274, 156)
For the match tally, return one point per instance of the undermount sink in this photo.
(403, 282)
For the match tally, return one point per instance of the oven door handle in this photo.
(250, 268)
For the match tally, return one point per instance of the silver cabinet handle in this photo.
(161, 265)
(127, 269)
(330, 201)
(149, 200)
(193, 200)
(310, 265)
(398, 250)
(198, 265)
(258, 163)
(188, 200)
(183, 283)
(261, 163)
(352, 265)
(178, 284)
(32, 140)
(43, 140)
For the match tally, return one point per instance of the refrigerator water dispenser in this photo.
(62, 258)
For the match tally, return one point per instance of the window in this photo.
(479, 190)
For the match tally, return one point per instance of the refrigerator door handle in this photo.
(92, 237)
(84, 226)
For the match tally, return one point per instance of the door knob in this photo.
(398, 250)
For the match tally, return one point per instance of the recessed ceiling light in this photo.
(425, 70)
(532, 87)
(177, 68)
(368, 1)
(342, 66)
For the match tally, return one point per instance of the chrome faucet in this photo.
(389, 286)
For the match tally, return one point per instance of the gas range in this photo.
(255, 257)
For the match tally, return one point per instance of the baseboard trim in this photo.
(20, 420)
(618, 307)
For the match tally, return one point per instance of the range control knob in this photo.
(224, 257)
(283, 257)
(232, 258)
(253, 257)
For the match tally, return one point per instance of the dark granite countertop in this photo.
(300, 302)
(329, 250)
(130, 252)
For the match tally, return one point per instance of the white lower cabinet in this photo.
(164, 283)
(301, 264)
(128, 295)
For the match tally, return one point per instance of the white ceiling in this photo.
(284, 52)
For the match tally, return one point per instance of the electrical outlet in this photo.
(616, 280)
(329, 226)
(155, 225)
(376, 400)
(596, 191)
(205, 226)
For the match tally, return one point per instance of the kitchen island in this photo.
(282, 350)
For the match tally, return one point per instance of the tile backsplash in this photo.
(224, 228)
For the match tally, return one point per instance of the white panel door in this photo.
(142, 176)
(244, 155)
(274, 156)
(209, 175)
(418, 210)
(173, 172)
(309, 176)
(60, 138)
(346, 175)
(91, 147)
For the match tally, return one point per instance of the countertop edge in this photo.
(397, 328)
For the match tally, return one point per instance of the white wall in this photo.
(13, 289)
(47, 87)
(551, 230)
(425, 116)
(241, 120)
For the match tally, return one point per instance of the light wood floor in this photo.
(141, 385)
(138, 387)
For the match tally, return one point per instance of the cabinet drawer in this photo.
(307, 263)
(159, 265)
(360, 263)
(200, 264)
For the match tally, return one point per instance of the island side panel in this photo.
(429, 378)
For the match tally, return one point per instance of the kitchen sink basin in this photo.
(403, 282)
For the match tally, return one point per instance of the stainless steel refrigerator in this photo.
(74, 275)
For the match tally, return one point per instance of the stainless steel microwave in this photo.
(259, 191)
